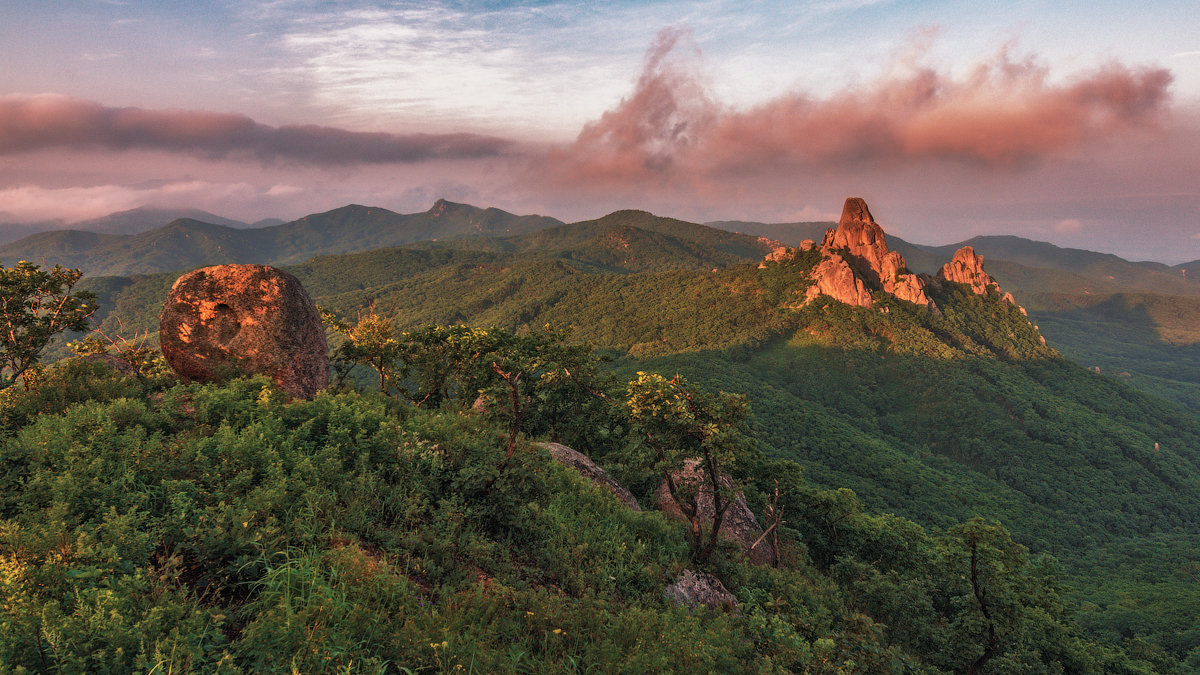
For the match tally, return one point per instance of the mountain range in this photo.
(1139, 321)
(936, 416)
(188, 242)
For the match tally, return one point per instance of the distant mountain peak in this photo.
(444, 207)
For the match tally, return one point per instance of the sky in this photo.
(1069, 122)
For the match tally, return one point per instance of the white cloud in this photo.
(283, 190)
(534, 71)
(444, 70)
(1068, 225)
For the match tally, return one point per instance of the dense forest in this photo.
(955, 495)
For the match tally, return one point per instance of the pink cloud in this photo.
(29, 123)
(1003, 112)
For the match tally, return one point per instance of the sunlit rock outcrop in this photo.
(966, 267)
(855, 260)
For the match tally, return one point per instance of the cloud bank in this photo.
(1004, 112)
(29, 123)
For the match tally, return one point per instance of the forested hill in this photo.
(933, 416)
(1137, 321)
(187, 243)
(624, 241)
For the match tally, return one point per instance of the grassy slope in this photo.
(937, 435)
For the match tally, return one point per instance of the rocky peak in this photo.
(966, 267)
(856, 260)
(858, 232)
(855, 211)
(443, 207)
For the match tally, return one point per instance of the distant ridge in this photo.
(132, 221)
(790, 234)
(186, 243)
(145, 218)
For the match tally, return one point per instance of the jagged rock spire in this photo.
(856, 259)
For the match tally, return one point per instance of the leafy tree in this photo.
(370, 341)
(36, 305)
(520, 379)
(995, 597)
(688, 427)
(533, 382)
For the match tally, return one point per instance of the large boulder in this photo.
(739, 523)
(692, 589)
(589, 470)
(245, 319)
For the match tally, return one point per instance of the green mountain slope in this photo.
(625, 241)
(1150, 338)
(151, 525)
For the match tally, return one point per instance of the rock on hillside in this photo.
(693, 588)
(739, 523)
(245, 319)
(855, 260)
(861, 242)
(966, 267)
(833, 276)
(589, 470)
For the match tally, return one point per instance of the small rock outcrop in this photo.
(245, 319)
(589, 470)
(966, 267)
(693, 588)
(739, 523)
(834, 277)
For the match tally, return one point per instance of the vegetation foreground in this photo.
(152, 526)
